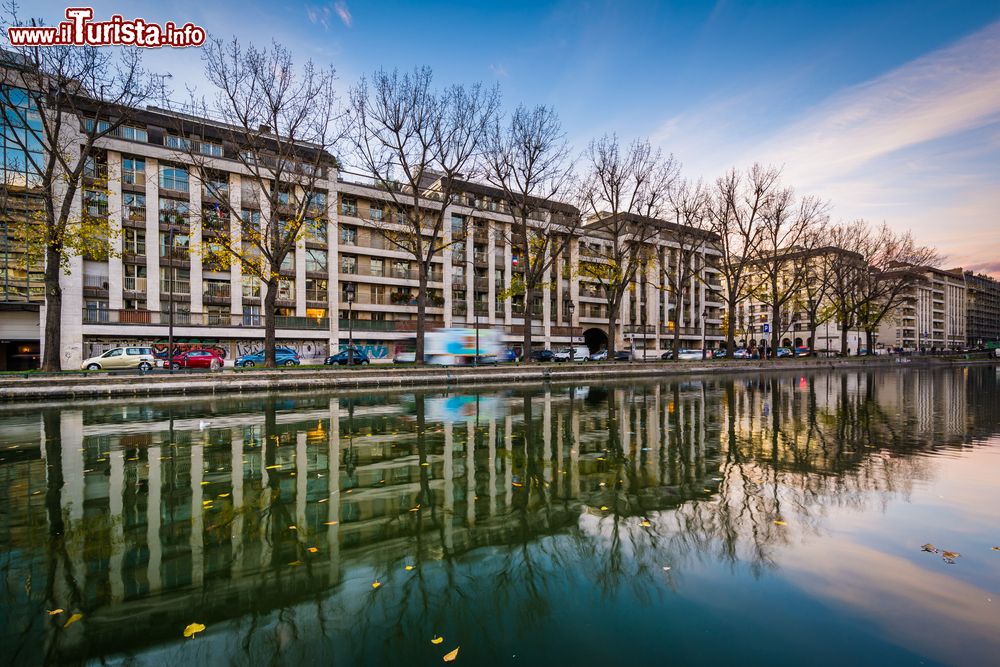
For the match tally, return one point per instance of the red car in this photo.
(198, 359)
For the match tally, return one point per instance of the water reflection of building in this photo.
(136, 516)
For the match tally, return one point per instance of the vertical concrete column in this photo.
(547, 435)
(265, 219)
(547, 302)
(333, 262)
(71, 313)
(152, 235)
(197, 514)
(74, 490)
(449, 486)
(446, 269)
(560, 471)
(235, 242)
(508, 272)
(508, 444)
(115, 271)
(153, 519)
(116, 487)
(574, 284)
(236, 478)
(470, 268)
(333, 497)
(300, 266)
(574, 456)
(197, 242)
(650, 301)
(491, 258)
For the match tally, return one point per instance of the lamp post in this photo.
(704, 314)
(568, 305)
(349, 293)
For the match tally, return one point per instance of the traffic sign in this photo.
(767, 328)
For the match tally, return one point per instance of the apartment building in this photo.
(932, 314)
(982, 308)
(164, 209)
(754, 324)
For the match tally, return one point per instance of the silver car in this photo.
(121, 357)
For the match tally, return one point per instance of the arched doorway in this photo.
(798, 342)
(596, 340)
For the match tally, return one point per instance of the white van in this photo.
(575, 353)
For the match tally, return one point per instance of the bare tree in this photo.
(895, 263)
(281, 128)
(418, 144)
(527, 158)
(847, 269)
(60, 101)
(814, 296)
(737, 219)
(624, 192)
(685, 251)
(778, 265)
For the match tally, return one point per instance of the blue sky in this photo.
(891, 110)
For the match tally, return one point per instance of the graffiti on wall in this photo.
(227, 349)
(374, 350)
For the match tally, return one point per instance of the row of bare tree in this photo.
(425, 147)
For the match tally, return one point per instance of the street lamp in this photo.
(349, 293)
(704, 314)
(568, 305)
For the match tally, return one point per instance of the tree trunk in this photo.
(270, 313)
(813, 328)
(870, 340)
(53, 312)
(421, 311)
(612, 331)
(775, 332)
(677, 329)
(528, 297)
(730, 329)
(843, 337)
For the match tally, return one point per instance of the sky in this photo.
(890, 110)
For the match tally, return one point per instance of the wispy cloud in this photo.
(946, 92)
(322, 15)
(499, 70)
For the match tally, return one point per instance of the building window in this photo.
(182, 280)
(174, 211)
(179, 249)
(134, 278)
(251, 288)
(378, 294)
(288, 262)
(95, 203)
(377, 267)
(348, 264)
(349, 206)
(133, 241)
(316, 260)
(316, 289)
(133, 171)
(174, 178)
(180, 143)
(211, 149)
(349, 235)
(286, 289)
(375, 211)
(133, 207)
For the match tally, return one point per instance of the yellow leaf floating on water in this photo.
(55, 611)
(409, 567)
(996, 548)
(950, 556)
(604, 508)
(193, 629)
(780, 523)
(437, 639)
(645, 524)
(312, 550)
(329, 523)
(73, 619)
(450, 657)
(376, 583)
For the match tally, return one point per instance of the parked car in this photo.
(506, 355)
(121, 357)
(802, 351)
(784, 352)
(742, 353)
(542, 355)
(344, 357)
(623, 355)
(689, 355)
(576, 353)
(669, 354)
(198, 359)
(283, 356)
(719, 353)
(600, 355)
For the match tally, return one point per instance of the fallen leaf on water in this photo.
(296, 563)
(437, 639)
(780, 523)
(996, 548)
(312, 550)
(645, 524)
(604, 508)
(376, 583)
(409, 567)
(292, 528)
(930, 548)
(950, 556)
(517, 484)
(204, 483)
(329, 523)
(55, 611)
(425, 464)
(450, 657)
(271, 467)
(193, 629)
(666, 568)
(73, 619)
(223, 495)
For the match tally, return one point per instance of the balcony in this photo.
(94, 283)
(387, 325)
(481, 258)
(108, 316)
(134, 284)
(134, 214)
(217, 290)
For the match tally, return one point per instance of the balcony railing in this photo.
(109, 316)
(218, 290)
(135, 213)
(387, 325)
(95, 282)
(134, 284)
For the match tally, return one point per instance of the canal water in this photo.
(795, 518)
